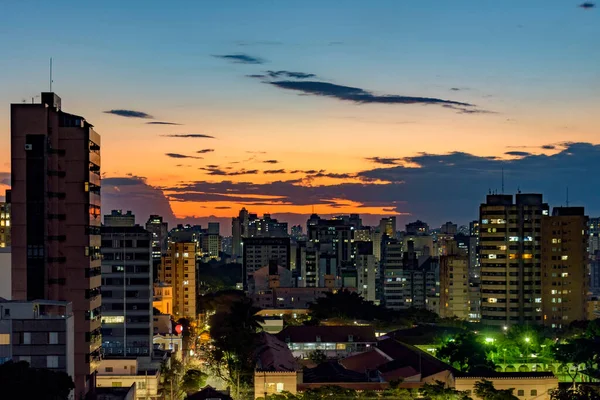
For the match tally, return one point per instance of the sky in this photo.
(407, 108)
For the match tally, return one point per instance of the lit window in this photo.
(527, 256)
(564, 258)
(186, 254)
(528, 239)
(53, 337)
(513, 238)
(564, 274)
(513, 256)
(503, 247)
(4, 338)
(553, 291)
(538, 299)
(26, 338)
(484, 221)
(186, 282)
(491, 256)
(492, 300)
(554, 240)
(113, 319)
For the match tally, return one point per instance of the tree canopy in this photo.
(234, 335)
(467, 353)
(19, 381)
(485, 390)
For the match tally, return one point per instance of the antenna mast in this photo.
(50, 74)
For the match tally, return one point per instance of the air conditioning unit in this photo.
(28, 147)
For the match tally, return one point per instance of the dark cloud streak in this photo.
(129, 114)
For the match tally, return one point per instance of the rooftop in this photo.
(328, 334)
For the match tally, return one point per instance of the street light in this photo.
(527, 340)
(489, 340)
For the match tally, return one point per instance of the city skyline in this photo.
(230, 106)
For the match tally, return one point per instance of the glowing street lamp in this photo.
(489, 340)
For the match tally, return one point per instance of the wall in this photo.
(541, 386)
(274, 382)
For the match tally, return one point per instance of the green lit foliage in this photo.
(579, 393)
(467, 353)
(485, 390)
(574, 352)
(439, 391)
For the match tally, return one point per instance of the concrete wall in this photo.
(525, 388)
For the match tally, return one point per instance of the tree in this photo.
(19, 381)
(580, 393)
(466, 352)
(439, 391)
(317, 356)
(170, 377)
(575, 352)
(485, 390)
(234, 335)
(192, 381)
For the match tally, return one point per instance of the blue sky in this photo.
(532, 66)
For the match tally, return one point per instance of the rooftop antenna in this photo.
(51, 74)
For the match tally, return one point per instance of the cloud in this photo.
(455, 89)
(290, 74)
(518, 153)
(270, 161)
(360, 96)
(162, 123)
(587, 5)
(133, 193)
(5, 179)
(177, 155)
(190, 135)
(241, 58)
(274, 171)
(204, 151)
(129, 114)
(216, 171)
(222, 208)
(548, 147)
(384, 160)
(256, 152)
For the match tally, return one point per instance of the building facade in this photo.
(40, 332)
(564, 266)
(259, 252)
(5, 220)
(510, 255)
(454, 287)
(55, 220)
(178, 270)
(126, 289)
(160, 232)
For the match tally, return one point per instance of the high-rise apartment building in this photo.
(211, 245)
(454, 284)
(126, 288)
(387, 226)
(56, 220)
(259, 252)
(178, 270)
(564, 266)
(366, 271)
(417, 228)
(510, 235)
(118, 218)
(160, 232)
(5, 220)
